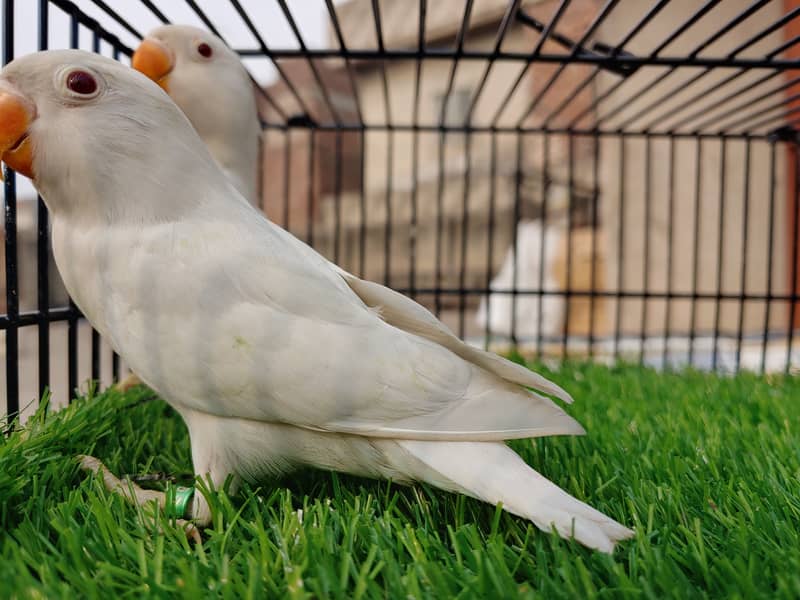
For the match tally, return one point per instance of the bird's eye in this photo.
(82, 83)
(204, 50)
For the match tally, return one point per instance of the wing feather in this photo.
(404, 313)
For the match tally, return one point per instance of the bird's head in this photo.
(207, 80)
(91, 132)
(202, 75)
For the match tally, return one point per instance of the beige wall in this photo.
(653, 233)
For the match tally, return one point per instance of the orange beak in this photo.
(16, 115)
(154, 59)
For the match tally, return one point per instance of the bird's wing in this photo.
(402, 312)
(268, 330)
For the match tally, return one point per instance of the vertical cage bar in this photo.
(362, 207)
(545, 189)
(595, 261)
(670, 249)
(12, 296)
(698, 169)
(115, 367)
(462, 263)
(287, 177)
(412, 233)
(387, 231)
(620, 247)
(312, 156)
(795, 241)
(337, 196)
(770, 255)
(570, 203)
(490, 237)
(12, 292)
(515, 237)
(43, 247)
(720, 255)
(743, 271)
(648, 199)
(437, 293)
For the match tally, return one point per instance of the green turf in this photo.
(707, 469)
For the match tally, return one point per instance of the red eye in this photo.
(205, 50)
(81, 82)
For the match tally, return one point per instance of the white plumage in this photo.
(274, 357)
(214, 91)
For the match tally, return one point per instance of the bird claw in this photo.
(90, 463)
(134, 493)
(191, 530)
(130, 381)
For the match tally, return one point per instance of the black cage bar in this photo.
(598, 179)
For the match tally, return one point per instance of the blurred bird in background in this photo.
(209, 83)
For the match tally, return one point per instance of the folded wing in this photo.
(321, 349)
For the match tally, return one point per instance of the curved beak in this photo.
(154, 59)
(16, 115)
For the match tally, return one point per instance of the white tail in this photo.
(492, 472)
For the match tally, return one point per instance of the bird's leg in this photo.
(128, 382)
(134, 493)
(209, 460)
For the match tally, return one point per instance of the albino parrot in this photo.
(274, 358)
(209, 83)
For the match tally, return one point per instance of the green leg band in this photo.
(177, 508)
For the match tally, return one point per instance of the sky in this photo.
(310, 15)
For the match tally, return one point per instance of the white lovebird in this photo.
(209, 83)
(274, 358)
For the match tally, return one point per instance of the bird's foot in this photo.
(133, 493)
(130, 381)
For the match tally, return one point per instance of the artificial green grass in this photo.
(707, 470)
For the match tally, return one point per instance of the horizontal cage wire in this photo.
(595, 179)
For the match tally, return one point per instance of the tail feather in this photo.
(492, 472)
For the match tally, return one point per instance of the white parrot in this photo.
(209, 83)
(274, 358)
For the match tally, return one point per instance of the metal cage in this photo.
(600, 179)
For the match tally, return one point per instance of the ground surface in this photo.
(706, 469)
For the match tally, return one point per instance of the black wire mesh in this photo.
(567, 177)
